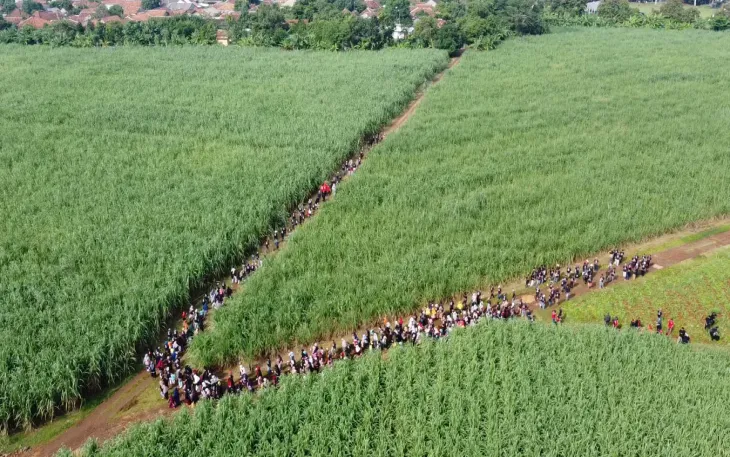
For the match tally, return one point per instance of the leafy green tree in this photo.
(676, 11)
(116, 10)
(101, 12)
(475, 27)
(616, 10)
(8, 6)
(397, 12)
(525, 17)
(151, 4)
(720, 22)
(29, 6)
(451, 10)
(572, 7)
(64, 4)
(449, 37)
(424, 33)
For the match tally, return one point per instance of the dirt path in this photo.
(400, 120)
(109, 418)
(660, 260)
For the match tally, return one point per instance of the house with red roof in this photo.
(130, 7)
(40, 19)
(15, 17)
(83, 18)
(423, 8)
(369, 13)
(145, 16)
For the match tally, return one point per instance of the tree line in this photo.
(336, 24)
(310, 24)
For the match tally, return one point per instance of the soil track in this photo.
(109, 418)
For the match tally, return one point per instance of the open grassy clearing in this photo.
(131, 174)
(497, 389)
(649, 8)
(686, 293)
(547, 148)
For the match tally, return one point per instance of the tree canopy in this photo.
(116, 10)
(617, 10)
(675, 10)
(150, 4)
(29, 6)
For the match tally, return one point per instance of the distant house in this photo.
(422, 8)
(130, 7)
(220, 10)
(84, 17)
(592, 7)
(372, 4)
(145, 16)
(15, 17)
(369, 13)
(110, 19)
(40, 19)
(400, 32)
(226, 6)
(33, 21)
(180, 7)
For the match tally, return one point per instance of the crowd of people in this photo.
(181, 384)
(561, 283)
(683, 337)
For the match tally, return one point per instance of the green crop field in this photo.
(686, 293)
(547, 148)
(497, 389)
(128, 175)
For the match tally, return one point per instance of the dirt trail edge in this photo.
(109, 418)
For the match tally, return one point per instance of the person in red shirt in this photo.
(325, 190)
(670, 326)
(554, 316)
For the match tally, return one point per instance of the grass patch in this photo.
(686, 293)
(649, 8)
(547, 149)
(39, 436)
(129, 175)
